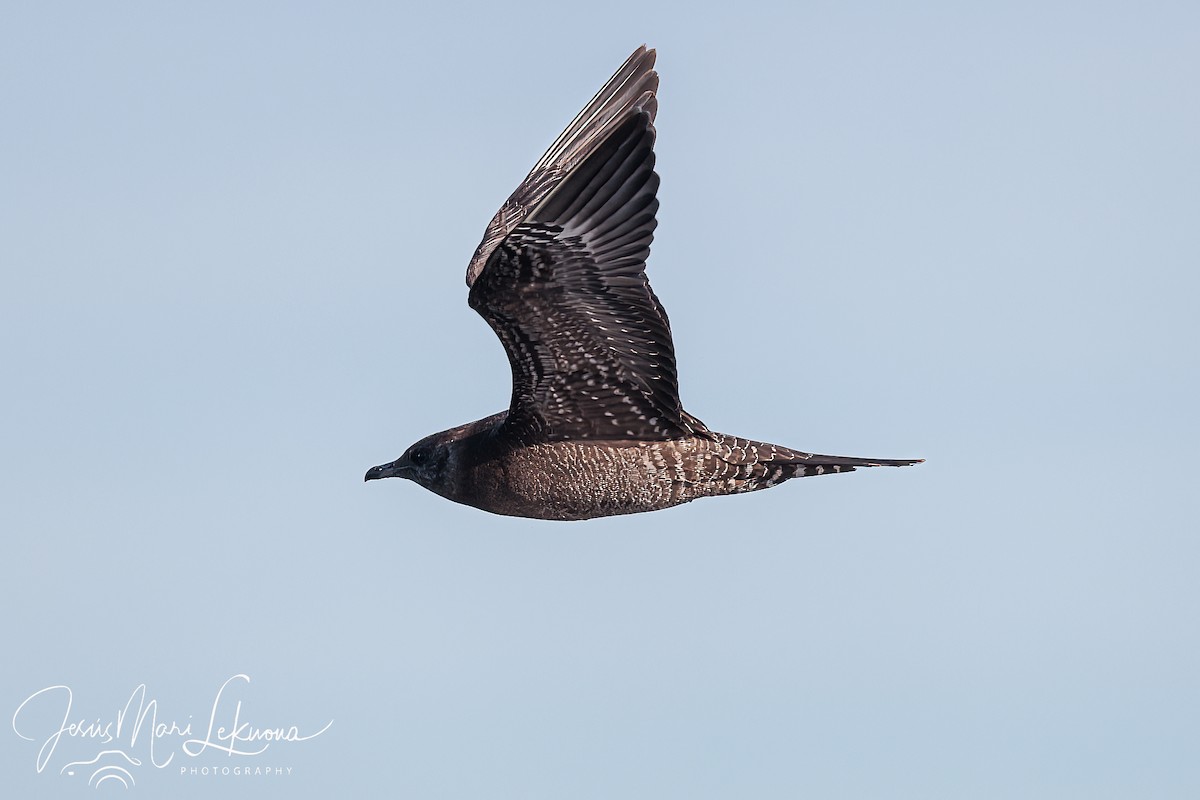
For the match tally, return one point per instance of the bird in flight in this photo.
(595, 426)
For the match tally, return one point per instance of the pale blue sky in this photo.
(233, 240)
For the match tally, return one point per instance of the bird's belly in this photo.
(581, 480)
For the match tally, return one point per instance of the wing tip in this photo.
(629, 92)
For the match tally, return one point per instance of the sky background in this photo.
(233, 239)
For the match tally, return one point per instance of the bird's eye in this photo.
(418, 456)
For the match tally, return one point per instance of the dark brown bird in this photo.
(595, 426)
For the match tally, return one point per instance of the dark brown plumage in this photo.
(595, 426)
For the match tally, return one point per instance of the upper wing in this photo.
(565, 289)
(631, 88)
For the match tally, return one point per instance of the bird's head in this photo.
(438, 461)
(424, 462)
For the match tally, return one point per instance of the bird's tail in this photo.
(816, 461)
(808, 464)
(736, 450)
(757, 465)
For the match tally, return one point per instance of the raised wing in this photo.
(566, 291)
(630, 89)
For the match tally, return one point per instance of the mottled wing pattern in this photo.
(566, 292)
(630, 90)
